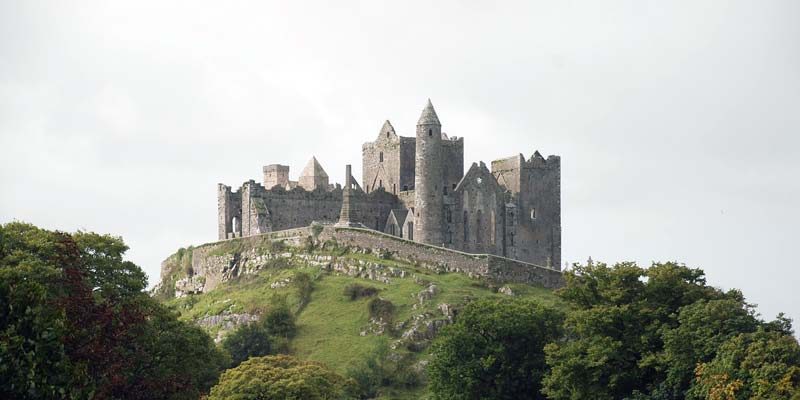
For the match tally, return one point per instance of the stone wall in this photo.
(493, 267)
(214, 263)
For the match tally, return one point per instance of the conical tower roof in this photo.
(428, 116)
(313, 168)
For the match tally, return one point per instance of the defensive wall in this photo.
(217, 262)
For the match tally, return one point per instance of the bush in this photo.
(280, 322)
(385, 254)
(251, 340)
(381, 309)
(282, 377)
(304, 285)
(380, 369)
(356, 291)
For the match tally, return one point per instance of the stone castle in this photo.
(415, 188)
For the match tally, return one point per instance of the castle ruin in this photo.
(415, 188)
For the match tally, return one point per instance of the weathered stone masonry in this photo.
(416, 188)
(215, 263)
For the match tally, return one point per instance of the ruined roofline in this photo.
(531, 161)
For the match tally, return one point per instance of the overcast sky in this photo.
(677, 122)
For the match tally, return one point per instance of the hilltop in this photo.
(223, 285)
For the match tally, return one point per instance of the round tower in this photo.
(428, 181)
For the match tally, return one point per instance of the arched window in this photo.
(394, 188)
(430, 132)
(466, 226)
(387, 134)
(380, 157)
(391, 229)
(410, 231)
(478, 227)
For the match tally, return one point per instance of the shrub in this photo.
(356, 291)
(304, 285)
(280, 322)
(381, 309)
(251, 340)
(382, 369)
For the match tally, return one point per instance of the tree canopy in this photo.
(76, 323)
(282, 377)
(495, 350)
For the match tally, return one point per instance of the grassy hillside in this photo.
(338, 331)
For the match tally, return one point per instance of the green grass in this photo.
(329, 326)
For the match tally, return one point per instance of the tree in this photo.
(702, 328)
(251, 340)
(760, 365)
(614, 346)
(281, 377)
(75, 322)
(494, 350)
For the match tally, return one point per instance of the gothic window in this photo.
(380, 157)
(478, 228)
(410, 231)
(466, 226)
(391, 229)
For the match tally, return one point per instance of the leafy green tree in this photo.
(702, 328)
(614, 346)
(251, 340)
(494, 350)
(75, 323)
(281, 377)
(760, 365)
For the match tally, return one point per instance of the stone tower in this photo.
(428, 180)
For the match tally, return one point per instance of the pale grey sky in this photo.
(677, 122)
